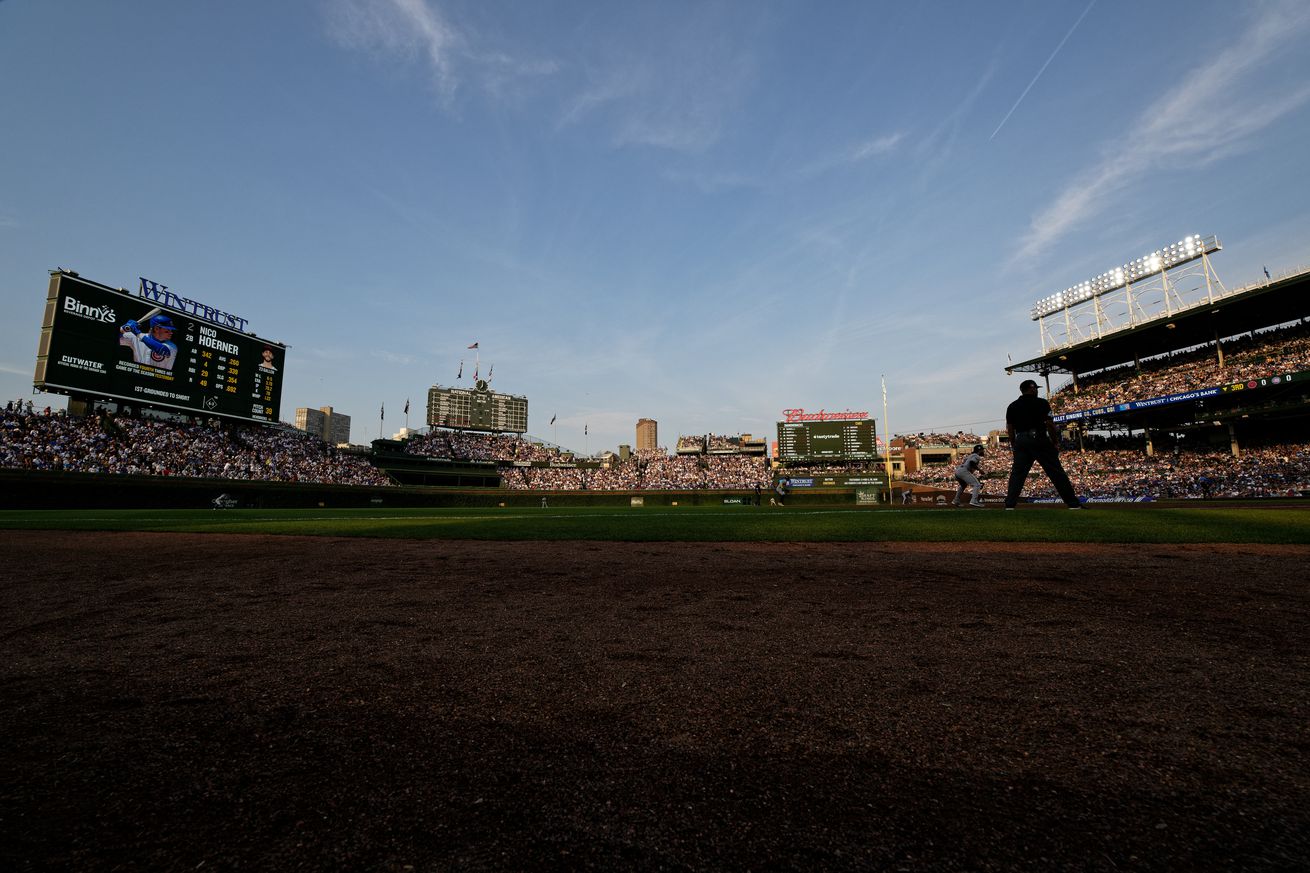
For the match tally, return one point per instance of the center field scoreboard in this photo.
(97, 342)
(478, 408)
(802, 441)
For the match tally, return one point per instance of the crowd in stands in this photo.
(1113, 467)
(691, 444)
(1121, 472)
(460, 445)
(1267, 353)
(852, 469)
(104, 443)
(647, 471)
(920, 440)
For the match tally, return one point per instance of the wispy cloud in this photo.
(1042, 70)
(648, 104)
(1214, 112)
(935, 149)
(677, 88)
(713, 182)
(877, 146)
(874, 147)
(393, 358)
(416, 31)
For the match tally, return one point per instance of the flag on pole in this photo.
(407, 406)
(584, 429)
(553, 417)
(460, 375)
(489, 372)
(382, 413)
(475, 373)
(474, 346)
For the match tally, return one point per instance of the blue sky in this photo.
(698, 212)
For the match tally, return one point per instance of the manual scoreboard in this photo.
(97, 342)
(478, 408)
(827, 441)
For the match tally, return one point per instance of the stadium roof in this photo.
(1284, 300)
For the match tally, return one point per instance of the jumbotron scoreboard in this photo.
(827, 440)
(155, 349)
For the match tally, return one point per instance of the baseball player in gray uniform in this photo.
(966, 476)
(155, 347)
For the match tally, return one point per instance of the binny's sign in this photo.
(156, 293)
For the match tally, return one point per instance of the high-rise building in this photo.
(331, 427)
(647, 434)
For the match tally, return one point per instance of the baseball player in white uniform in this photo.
(966, 476)
(154, 348)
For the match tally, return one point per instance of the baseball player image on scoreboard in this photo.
(153, 347)
(967, 475)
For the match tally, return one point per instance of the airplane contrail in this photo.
(1042, 70)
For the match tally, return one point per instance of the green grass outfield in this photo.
(1109, 524)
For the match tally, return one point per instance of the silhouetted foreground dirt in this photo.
(182, 702)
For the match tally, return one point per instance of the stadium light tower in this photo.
(1138, 277)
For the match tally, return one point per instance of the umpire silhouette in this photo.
(1033, 437)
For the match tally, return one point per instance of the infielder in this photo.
(156, 347)
(966, 476)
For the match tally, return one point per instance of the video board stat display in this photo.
(827, 440)
(107, 343)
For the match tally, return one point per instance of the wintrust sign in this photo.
(156, 293)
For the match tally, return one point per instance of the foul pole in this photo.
(887, 440)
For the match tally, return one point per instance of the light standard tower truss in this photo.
(1163, 283)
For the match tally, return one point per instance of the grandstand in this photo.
(1210, 398)
(1232, 370)
(143, 446)
(1119, 469)
(523, 464)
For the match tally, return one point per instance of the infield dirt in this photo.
(182, 702)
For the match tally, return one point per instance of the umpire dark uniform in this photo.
(1033, 437)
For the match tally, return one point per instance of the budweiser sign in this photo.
(791, 415)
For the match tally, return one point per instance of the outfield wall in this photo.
(20, 489)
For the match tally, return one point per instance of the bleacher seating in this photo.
(103, 443)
